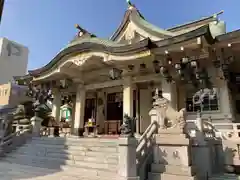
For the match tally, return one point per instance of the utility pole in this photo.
(1, 9)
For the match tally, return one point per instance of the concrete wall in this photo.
(11, 94)
(13, 60)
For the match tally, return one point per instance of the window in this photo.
(207, 102)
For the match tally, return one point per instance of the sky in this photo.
(46, 26)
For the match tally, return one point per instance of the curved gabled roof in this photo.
(87, 42)
(133, 15)
(203, 31)
(228, 36)
(204, 20)
(110, 47)
(95, 44)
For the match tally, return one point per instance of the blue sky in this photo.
(46, 26)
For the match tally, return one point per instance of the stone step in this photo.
(79, 147)
(163, 176)
(58, 152)
(15, 171)
(225, 177)
(104, 158)
(69, 140)
(55, 163)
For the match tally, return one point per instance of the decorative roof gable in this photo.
(134, 27)
(134, 22)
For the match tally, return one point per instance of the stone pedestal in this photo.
(172, 157)
(36, 125)
(127, 169)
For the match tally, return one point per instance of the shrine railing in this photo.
(144, 150)
(230, 131)
(225, 131)
(15, 139)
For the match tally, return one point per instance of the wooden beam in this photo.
(104, 85)
(136, 79)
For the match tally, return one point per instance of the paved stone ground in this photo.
(11, 171)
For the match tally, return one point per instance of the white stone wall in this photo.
(13, 60)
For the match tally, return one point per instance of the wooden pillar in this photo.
(79, 111)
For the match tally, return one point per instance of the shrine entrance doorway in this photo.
(90, 110)
(114, 113)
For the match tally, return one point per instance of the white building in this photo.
(13, 60)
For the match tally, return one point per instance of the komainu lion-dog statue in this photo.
(168, 116)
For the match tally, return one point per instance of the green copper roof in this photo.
(152, 27)
(105, 42)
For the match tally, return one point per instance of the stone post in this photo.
(199, 122)
(127, 169)
(36, 125)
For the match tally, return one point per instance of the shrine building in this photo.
(107, 78)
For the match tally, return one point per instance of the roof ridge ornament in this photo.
(82, 31)
(130, 4)
(219, 13)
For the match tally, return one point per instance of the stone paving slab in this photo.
(22, 172)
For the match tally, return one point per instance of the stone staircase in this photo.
(62, 158)
(225, 177)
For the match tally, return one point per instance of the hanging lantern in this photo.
(185, 60)
(115, 73)
(164, 71)
(217, 62)
(177, 66)
(65, 83)
(193, 64)
(169, 60)
(142, 66)
(130, 67)
(156, 66)
(225, 69)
